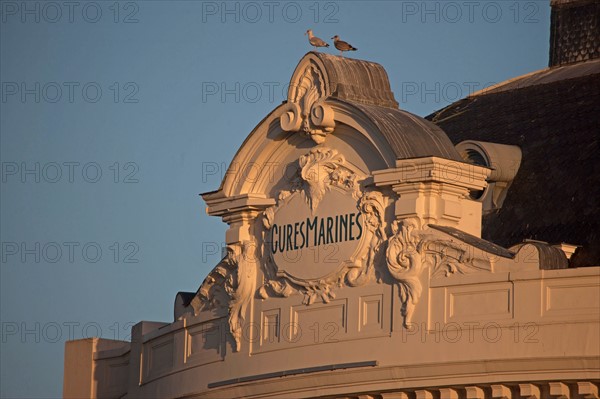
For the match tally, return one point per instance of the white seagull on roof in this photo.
(315, 41)
(342, 45)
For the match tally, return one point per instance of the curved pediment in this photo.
(341, 103)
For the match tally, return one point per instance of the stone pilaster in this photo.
(436, 191)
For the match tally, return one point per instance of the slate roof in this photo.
(574, 31)
(553, 115)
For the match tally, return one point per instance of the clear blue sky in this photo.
(111, 112)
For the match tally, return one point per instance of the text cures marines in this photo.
(316, 231)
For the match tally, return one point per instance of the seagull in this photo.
(342, 45)
(315, 41)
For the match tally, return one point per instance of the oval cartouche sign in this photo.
(310, 245)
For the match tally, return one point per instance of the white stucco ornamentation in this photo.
(450, 259)
(234, 276)
(362, 269)
(320, 170)
(306, 110)
(405, 261)
(414, 248)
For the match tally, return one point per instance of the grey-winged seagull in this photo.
(342, 45)
(315, 41)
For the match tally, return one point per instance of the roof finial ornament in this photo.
(315, 41)
(342, 45)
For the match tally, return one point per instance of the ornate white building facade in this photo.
(355, 268)
(355, 263)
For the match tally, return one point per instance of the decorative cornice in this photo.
(433, 169)
(219, 205)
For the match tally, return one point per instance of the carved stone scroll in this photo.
(362, 268)
(306, 110)
(414, 248)
(405, 261)
(231, 283)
